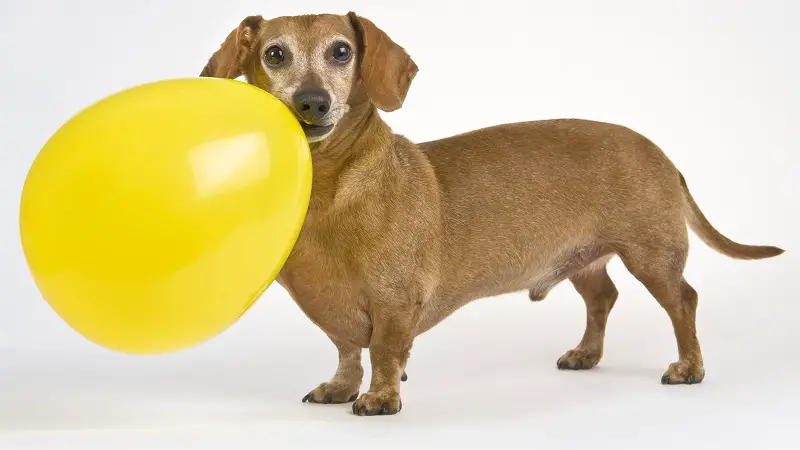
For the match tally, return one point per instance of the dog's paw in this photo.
(332, 393)
(578, 359)
(377, 404)
(683, 372)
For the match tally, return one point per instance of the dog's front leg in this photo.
(344, 385)
(394, 326)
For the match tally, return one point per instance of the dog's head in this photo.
(318, 65)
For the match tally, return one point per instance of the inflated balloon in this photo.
(152, 220)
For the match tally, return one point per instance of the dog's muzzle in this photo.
(313, 106)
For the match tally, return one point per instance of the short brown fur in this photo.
(398, 235)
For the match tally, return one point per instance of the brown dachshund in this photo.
(400, 235)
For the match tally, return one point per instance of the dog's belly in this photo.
(585, 258)
(538, 280)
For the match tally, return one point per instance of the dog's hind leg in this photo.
(660, 269)
(599, 294)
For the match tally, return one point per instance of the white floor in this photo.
(485, 377)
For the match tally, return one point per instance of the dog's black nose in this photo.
(312, 104)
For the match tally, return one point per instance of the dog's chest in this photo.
(326, 289)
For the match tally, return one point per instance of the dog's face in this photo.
(318, 65)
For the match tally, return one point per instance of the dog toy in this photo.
(152, 220)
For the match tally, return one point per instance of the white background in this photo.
(714, 83)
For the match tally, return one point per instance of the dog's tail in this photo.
(716, 240)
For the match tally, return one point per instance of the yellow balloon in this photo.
(152, 220)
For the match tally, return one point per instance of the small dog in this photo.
(399, 235)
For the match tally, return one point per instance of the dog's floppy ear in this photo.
(234, 53)
(386, 69)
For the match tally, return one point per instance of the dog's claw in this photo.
(563, 364)
(362, 408)
(680, 373)
(329, 397)
(578, 359)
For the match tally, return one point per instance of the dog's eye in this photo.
(342, 52)
(273, 56)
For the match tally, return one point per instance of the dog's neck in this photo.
(360, 148)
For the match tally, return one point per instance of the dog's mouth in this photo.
(315, 131)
